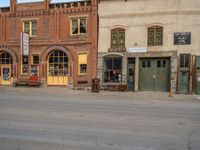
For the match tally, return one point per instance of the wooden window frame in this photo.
(185, 57)
(80, 63)
(30, 27)
(117, 32)
(24, 73)
(51, 71)
(78, 19)
(111, 70)
(32, 60)
(155, 38)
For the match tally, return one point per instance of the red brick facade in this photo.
(53, 33)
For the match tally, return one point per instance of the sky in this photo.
(4, 3)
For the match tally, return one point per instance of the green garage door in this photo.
(154, 74)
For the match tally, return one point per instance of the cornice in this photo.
(151, 13)
(50, 12)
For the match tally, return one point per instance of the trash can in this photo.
(95, 85)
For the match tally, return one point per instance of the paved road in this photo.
(41, 121)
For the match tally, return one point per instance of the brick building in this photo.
(62, 41)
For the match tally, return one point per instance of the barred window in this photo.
(155, 36)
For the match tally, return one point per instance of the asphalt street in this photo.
(41, 119)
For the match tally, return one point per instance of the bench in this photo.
(33, 81)
(122, 87)
(22, 80)
(116, 87)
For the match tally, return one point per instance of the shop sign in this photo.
(198, 79)
(182, 38)
(137, 49)
(24, 44)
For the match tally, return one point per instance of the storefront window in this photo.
(35, 60)
(24, 64)
(34, 65)
(112, 70)
(82, 62)
(58, 64)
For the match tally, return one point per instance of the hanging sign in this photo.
(24, 44)
(182, 38)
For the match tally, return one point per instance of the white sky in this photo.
(4, 3)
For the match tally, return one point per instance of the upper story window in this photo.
(30, 27)
(155, 36)
(118, 38)
(78, 26)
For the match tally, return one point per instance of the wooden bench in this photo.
(22, 80)
(122, 87)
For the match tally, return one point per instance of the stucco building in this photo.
(61, 46)
(150, 45)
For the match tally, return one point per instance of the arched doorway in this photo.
(6, 62)
(57, 68)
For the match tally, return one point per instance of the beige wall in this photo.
(136, 15)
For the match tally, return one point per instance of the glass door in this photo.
(6, 75)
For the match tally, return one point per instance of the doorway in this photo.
(5, 68)
(57, 68)
(154, 74)
(6, 75)
(131, 74)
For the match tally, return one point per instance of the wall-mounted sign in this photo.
(198, 79)
(137, 49)
(182, 38)
(24, 44)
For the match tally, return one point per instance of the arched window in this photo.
(58, 63)
(5, 58)
(118, 38)
(155, 36)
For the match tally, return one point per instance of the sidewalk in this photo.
(63, 91)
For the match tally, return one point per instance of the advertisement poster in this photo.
(6, 74)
